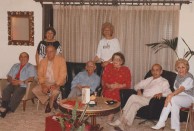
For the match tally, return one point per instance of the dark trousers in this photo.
(11, 97)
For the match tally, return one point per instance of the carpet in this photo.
(34, 120)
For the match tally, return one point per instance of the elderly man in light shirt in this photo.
(87, 78)
(18, 77)
(154, 86)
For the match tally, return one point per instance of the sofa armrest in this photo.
(3, 84)
(125, 94)
(29, 94)
(153, 110)
(156, 106)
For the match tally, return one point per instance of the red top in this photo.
(113, 75)
(18, 74)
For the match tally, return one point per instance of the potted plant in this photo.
(71, 122)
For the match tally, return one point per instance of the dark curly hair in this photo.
(120, 55)
(50, 29)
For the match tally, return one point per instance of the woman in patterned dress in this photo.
(115, 77)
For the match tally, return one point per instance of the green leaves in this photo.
(74, 111)
(190, 52)
(71, 121)
(61, 121)
(172, 43)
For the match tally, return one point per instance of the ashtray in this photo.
(92, 103)
(110, 102)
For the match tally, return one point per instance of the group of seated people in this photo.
(51, 76)
(52, 72)
(156, 86)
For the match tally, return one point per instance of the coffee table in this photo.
(101, 109)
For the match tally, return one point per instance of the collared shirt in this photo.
(49, 73)
(27, 71)
(83, 79)
(154, 86)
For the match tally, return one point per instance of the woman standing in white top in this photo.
(107, 45)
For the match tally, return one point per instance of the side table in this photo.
(100, 109)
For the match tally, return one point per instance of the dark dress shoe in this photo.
(48, 109)
(3, 114)
(117, 128)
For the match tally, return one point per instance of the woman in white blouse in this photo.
(108, 45)
(182, 96)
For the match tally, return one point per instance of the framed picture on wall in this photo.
(21, 28)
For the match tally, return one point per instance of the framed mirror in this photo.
(21, 28)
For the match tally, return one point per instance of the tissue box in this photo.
(85, 95)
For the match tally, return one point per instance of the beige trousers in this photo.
(44, 97)
(134, 103)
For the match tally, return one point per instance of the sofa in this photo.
(154, 109)
(73, 68)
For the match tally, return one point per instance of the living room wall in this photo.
(9, 53)
(186, 31)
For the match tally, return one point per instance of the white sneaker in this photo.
(115, 123)
(159, 125)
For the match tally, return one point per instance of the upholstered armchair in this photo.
(28, 96)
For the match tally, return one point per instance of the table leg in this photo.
(94, 126)
(93, 120)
